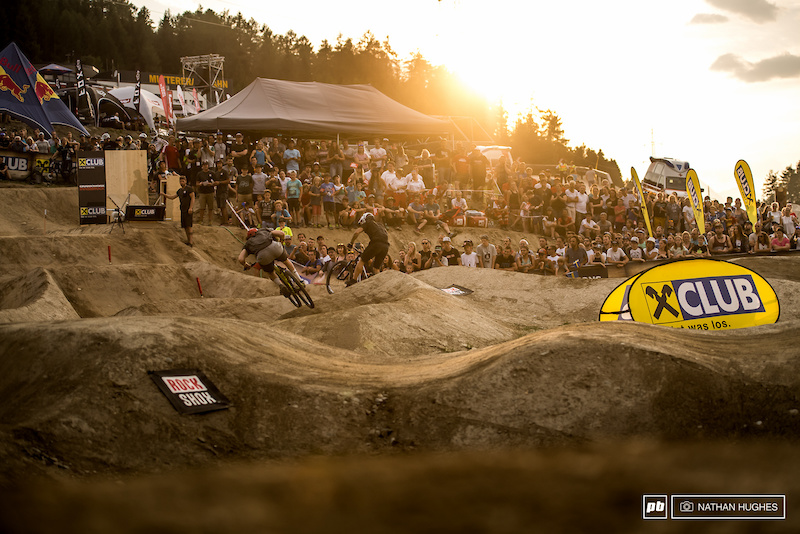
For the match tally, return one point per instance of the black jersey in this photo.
(376, 232)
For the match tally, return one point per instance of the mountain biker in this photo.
(267, 247)
(377, 248)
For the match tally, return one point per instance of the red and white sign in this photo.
(184, 384)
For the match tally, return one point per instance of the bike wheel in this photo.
(338, 276)
(284, 278)
(300, 289)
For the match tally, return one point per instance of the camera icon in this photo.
(686, 507)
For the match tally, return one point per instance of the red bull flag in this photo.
(25, 95)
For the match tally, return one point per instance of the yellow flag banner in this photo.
(693, 191)
(645, 213)
(744, 179)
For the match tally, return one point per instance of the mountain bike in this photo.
(341, 274)
(295, 288)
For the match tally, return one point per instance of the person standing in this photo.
(222, 181)
(186, 197)
(205, 190)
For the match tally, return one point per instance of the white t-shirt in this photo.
(583, 200)
(469, 260)
(459, 203)
(378, 155)
(589, 225)
(611, 255)
(487, 255)
(561, 251)
(415, 186)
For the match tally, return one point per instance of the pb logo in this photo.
(742, 176)
(654, 507)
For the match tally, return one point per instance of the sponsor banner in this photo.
(615, 307)
(145, 213)
(137, 91)
(693, 192)
(182, 100)
(92, 187)
(19, 165)
(642, 201)
(83, 94)
(592, 271)
(457, 290)
(189, 391)
(744, 179)
(702, 294)
(165, 98)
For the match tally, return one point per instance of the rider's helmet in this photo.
(251, 232)
(364, 218)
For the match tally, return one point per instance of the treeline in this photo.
(785, 185)
(114, 34)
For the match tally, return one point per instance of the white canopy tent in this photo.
(149, 107)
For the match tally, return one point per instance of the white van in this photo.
(666, 175)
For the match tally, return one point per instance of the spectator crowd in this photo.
(286, 183)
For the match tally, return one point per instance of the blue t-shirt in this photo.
(294, 188)
(293, 165)
(327, 192)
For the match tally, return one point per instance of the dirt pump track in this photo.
(390, 374)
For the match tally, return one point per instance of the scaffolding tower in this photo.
(209, 70)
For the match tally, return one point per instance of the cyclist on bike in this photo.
(266, 246)
(377, 248)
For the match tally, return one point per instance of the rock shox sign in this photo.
(702, 294)
(744, 179)
(189, 391)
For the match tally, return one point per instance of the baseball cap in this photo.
(143, 135)
(445, 238)
(651, 239)
(634, 239)
(468, 242)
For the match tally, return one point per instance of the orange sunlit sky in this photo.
(707, 81)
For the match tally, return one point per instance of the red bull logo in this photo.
(8, 84)
(43, 90)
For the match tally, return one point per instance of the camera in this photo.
(686, 507)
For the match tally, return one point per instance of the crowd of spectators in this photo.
(286, 183)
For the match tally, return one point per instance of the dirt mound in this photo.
(394, 315)
(24, 208)
(33, 297)
(87, 380)
(773, 267)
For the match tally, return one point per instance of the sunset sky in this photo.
(715, 81)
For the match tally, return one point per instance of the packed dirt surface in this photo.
(390, 406)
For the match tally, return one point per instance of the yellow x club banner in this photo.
(693, 191)
(643, 201)
(744, 179)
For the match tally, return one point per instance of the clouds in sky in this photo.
(708, 18)
(756, 10)
(782, 66)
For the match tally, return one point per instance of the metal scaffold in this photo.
(209, 72)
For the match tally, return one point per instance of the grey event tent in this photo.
(313, 109)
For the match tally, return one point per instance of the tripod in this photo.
(119, 219)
